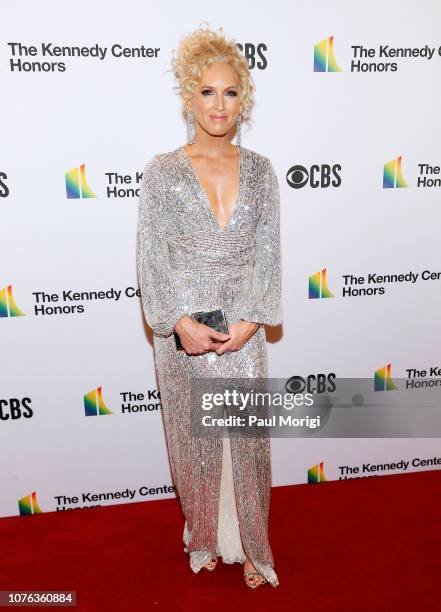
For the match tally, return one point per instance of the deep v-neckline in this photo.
(204, 195)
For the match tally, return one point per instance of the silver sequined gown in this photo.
(186, 263)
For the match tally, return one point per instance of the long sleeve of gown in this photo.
(160, 303)
(263, 302)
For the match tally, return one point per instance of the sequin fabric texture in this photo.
(186, 262)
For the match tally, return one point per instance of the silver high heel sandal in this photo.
(253, 585)
(213, 560)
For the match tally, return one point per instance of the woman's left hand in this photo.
(240, 332)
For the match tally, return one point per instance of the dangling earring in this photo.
(238, 130)
(190, 127)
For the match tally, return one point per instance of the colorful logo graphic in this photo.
(392, 174)
(76, 184)
(29, 504)
(8, 307)
(318, 287)
(94, 404)
(316, 474)
(383, 380)
(324, 60)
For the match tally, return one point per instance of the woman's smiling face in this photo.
(216, 101)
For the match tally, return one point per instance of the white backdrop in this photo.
(112, 113)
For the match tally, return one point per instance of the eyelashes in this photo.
(208, 91)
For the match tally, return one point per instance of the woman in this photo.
(208, 237)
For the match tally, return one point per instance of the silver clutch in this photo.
(215, 319)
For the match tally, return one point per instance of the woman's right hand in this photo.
(198, 338)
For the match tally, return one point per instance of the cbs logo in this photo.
(316, 176)
(254, 54)
(13, 408)
(314, 383)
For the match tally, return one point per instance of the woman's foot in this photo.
(251, 576)
(211, 564)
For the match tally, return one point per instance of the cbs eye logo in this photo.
(316, 176)
(314, 383)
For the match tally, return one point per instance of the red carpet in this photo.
(367, 544)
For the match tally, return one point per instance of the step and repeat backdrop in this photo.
(347, 109)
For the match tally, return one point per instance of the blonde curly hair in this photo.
(202, 48)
